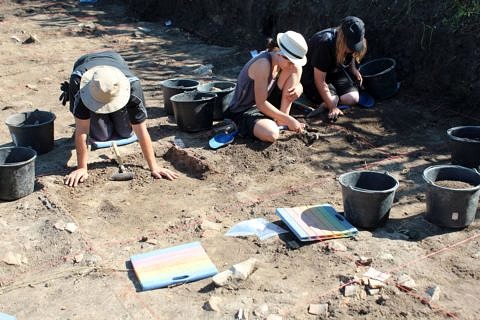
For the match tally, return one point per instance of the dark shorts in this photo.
(338, 84)
(246, 120)
(116, 125)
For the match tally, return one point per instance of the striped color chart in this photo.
(171, 266)
(318, 222)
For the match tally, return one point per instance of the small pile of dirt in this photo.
(190, 164)
(453, 184)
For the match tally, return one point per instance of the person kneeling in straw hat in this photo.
(266, 87)
(107, 102)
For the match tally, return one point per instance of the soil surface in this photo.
(48, 272)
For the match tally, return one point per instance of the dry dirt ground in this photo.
(87, 275)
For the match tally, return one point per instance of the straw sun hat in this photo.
(104, 89)
(293, 46)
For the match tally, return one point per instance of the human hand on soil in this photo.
(166, 173)
(295, 125)
(76, 177)
(334, 113)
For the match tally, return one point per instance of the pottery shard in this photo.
(221, 279)
(71, 227)
(350, 290)
(375, 284)
(208, 225)
(213, 304)
(243, 269)
(318, 309)
(433, 293)
(60, 225)
(405, 281)
(14, 259)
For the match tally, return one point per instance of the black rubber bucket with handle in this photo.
(367, 197)
(175, 86)
(379, 77)
(193, 110)
(447, 206)
(464, 143)
(221, 89)
(32, 129)
(17, 172)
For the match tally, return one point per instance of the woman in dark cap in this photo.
(332, 65)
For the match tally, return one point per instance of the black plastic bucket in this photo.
(379, 77)
(221, 89)
(17, 172)
(367, 197)
(175, 86)
(193, 110)
(32, 129)
(464, 143)
(449, 207)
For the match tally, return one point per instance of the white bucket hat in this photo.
(104, 89)
(293, 46)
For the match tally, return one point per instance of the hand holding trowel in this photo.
(122, 174)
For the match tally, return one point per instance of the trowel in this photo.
(122, 174)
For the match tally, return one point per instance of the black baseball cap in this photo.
(354, 31)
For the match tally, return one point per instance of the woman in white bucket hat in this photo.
(266, 87)
(107, 102)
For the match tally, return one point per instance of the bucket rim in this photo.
(210, 96)
(212, 83)
(453, 137)
(452, 166)
(162, 83)
(21, 162)
(394, 64)
(395, 187)
(54, 116)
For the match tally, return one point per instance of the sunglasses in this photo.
(284, 57)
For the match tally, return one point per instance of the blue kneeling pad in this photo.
(119, 142)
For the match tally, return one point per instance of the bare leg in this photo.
(350, 98)
(266, 130)
(289, 81)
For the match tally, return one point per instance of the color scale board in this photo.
(318, 222)
(171, 266)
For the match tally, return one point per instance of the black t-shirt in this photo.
(136, 105)
(321, 54)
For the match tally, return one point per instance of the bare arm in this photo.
(356, 73)
(322, 88)
(82, 128)
(148, 153)
(292, 89)
(259, 72)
